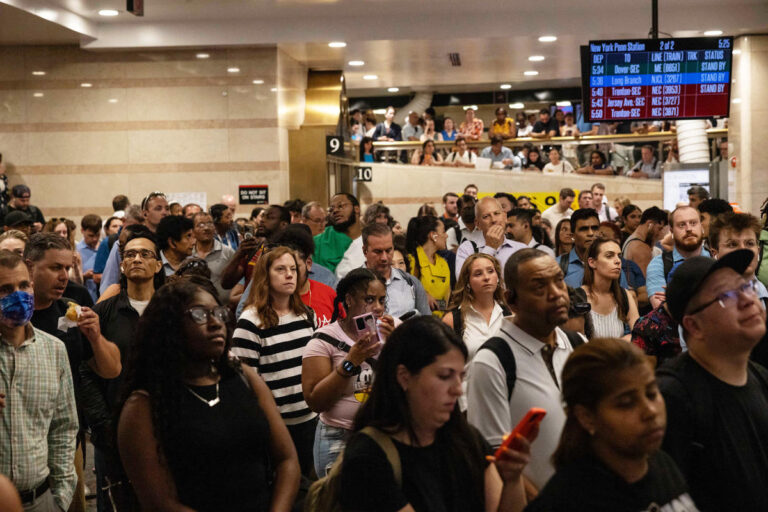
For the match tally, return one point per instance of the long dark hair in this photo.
(417, 235)
(589, 278)
(355, 281)
(416, 344)
(558, 243)
(588, 377)
(157, 356)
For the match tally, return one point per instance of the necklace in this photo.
(210, 403)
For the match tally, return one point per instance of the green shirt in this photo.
(762, 270)
(330, 246)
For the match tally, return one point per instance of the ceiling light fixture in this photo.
(38, 95)
(370, 77)
(736, 101)
(393, 89)
(337, 44)
(112, 100)
(547, 39)
(258, 82)
(505, 86)
(565, 103)
(233, 70)
(86, 84)
(737, 52)
(379, 111)
(536, 58)
(109, 12)
(356, 63)
(274, 89)
(38, 73)
(531, 73)
(517, 105)
(470, 107)
(202, 55)
(713, 33)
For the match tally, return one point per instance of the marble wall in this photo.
(100, 124)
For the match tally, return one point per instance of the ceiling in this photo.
(405, 43)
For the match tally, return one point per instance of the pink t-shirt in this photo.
(343, 411)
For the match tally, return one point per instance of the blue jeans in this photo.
(329, 443)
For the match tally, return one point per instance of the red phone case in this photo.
(532, 418)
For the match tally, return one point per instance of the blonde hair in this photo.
(462, 295)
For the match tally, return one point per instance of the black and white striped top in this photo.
(276, 354)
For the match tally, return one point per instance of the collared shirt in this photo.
(575, 275)
(533, 244)
(353, 258)
(88, 256)
(412, 131)
(217, 259)
(39, 423)
(405, 295)
(473, 131)
(231, 238)
(503, 154)
(655, 280)
(167, 268)
(505, 250)
(475, 235)
(111, 274)
(435, 277)
(489, 410)
(653, 169)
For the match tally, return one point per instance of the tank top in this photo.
(607, 326)
(223, 462)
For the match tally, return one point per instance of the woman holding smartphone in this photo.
(337, 369)
(445, 463)
(609, 456)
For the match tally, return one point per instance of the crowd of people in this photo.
(607, 159)
(337, 359)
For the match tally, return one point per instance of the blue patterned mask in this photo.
(17, 308)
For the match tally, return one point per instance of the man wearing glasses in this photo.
(215, 254)
(332, 243)
(20, 195)
(118, 317)
(717, 399)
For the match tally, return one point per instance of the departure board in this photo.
(647, 79)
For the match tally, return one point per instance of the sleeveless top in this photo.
(223, 461)
(608, 326)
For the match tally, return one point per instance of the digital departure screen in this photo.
(646, 79)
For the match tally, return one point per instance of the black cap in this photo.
(20, 190)
(688, 277)
(16, 218)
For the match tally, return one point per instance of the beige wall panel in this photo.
(76, 106)
(12, 63)
(255, 144)
(13, 105)
(254, 101)
(13, 146)
(166, 146)
(171, 104)
(72, 148)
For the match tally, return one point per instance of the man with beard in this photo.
(450, 207)
(332, 243)
(499, 394)
(215, 254)
(649, 231)
(688, 237)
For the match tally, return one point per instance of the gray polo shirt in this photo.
(217, 259)
(489, 410)
(405, 295)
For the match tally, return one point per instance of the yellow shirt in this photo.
(502, 129)
(436, 279)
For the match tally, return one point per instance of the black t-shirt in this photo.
(717, 434)
(432, 480)
(78, 347)
(589, 485)
(78, 293)
(552, 124)
(32, 211)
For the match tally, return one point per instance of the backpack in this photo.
(669, 261)
(458, 321)
(564, 261)
(500, 347)
(323, 494)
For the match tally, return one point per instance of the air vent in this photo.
(455, 59)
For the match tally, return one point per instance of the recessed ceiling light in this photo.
(370, 77)
(736, 100)
(505, 86)
(379, 111)
(713, 33)
(563, 103)
(47, 14)
(38, 73)
(547, 39)
(470, 107)
(109, 12)
(517, 105)
(274, 89)
(337, 44)
(258, 82)
(202, 55)
(356, 63)
(112, 100)
(38, 95)
(393, 89)
(233, 70)
(737, 52)
(86, 84)
(536, 58)
(531, 73)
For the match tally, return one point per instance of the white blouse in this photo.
(476, 332)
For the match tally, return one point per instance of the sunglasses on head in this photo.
(151, 196)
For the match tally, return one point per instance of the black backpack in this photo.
(500, 347)
(669, 261)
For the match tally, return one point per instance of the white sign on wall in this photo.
(184, 198)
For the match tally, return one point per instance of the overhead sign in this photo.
(254, 194)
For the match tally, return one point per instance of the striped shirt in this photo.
(276, 354)
(39, 422)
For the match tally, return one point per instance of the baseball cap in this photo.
(16, 218)
(20, 190)
(691, 274)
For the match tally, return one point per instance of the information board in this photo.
(648, 79)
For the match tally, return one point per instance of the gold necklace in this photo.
(210, 403)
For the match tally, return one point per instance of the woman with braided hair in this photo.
(337, 367)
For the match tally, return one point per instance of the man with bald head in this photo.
(492, 221)
(686, 229)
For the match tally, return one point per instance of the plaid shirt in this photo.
(39, 422)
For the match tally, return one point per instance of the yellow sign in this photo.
(541, 200)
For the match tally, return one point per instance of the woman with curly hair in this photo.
(198, 431)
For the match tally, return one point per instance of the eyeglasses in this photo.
(730, 297)
(201, 315)
(204, 225)
(145, 254)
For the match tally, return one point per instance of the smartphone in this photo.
(366, 323)
(524, 428)
(247, 235)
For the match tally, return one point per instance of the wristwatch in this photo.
(349, 369)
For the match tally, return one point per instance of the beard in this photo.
(341, 227)
(688, 246)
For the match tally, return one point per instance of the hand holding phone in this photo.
(366, 324)
(527, 426)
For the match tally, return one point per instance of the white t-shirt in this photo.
(467, 158)
(138, 305)
(563, 167)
